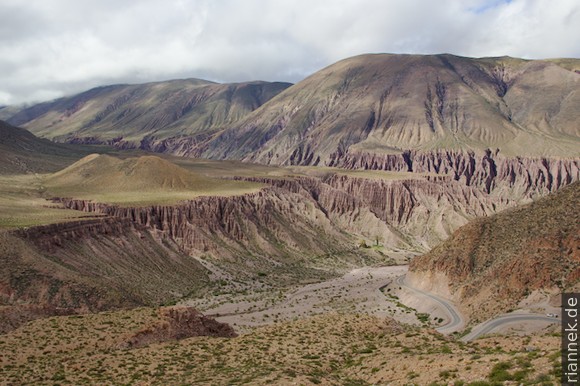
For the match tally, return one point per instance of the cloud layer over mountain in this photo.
(52, 48)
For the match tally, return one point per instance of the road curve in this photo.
(456, 321)
(492, 324)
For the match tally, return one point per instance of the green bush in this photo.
(500, 372)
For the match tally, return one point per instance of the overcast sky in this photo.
(51, 48)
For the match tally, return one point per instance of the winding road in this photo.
(457, 322)
(495, 323)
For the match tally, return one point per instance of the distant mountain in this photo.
(9, 111)
(370, 104)
(390, 103)
(22, 152)
(492, 263)
(124, 114)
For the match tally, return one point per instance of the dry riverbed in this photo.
(357, 291)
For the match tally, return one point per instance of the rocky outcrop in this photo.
(396, 201)
(489, 171)
(180, 323)
(93, 265)
(53, 236)
(492, 263)
(424, 210)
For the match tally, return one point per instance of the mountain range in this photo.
(370, 104)
(263, 204)
(128, 113)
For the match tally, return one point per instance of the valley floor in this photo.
(351, 330)
(357, 291)
(375, 291)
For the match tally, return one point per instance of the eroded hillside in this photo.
(384, 104)
(492, 263)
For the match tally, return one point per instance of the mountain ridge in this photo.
(391, 103)
(132, 111)
(23, 152)
(374, 103)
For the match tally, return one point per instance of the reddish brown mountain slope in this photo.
(390, 103)
(492, 263)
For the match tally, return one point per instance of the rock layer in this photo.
(271, 230)
(488, 170)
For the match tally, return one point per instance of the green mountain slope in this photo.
(131, 112)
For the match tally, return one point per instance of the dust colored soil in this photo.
(357, 291)
(330, 349)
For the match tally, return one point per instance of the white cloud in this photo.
(52, 47)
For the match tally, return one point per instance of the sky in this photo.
(52, 48)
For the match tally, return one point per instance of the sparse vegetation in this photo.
(292, 351)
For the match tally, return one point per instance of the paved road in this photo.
(492, 324)
(456, 321)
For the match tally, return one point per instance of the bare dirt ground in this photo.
(358, 291)
(370, 290)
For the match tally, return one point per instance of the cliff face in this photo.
(273, 230)
(492, 263)
(90, 266)
(489, 171)
(424, 210)
(53, 236)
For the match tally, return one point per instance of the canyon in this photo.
(286, 210)
(303, 225)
